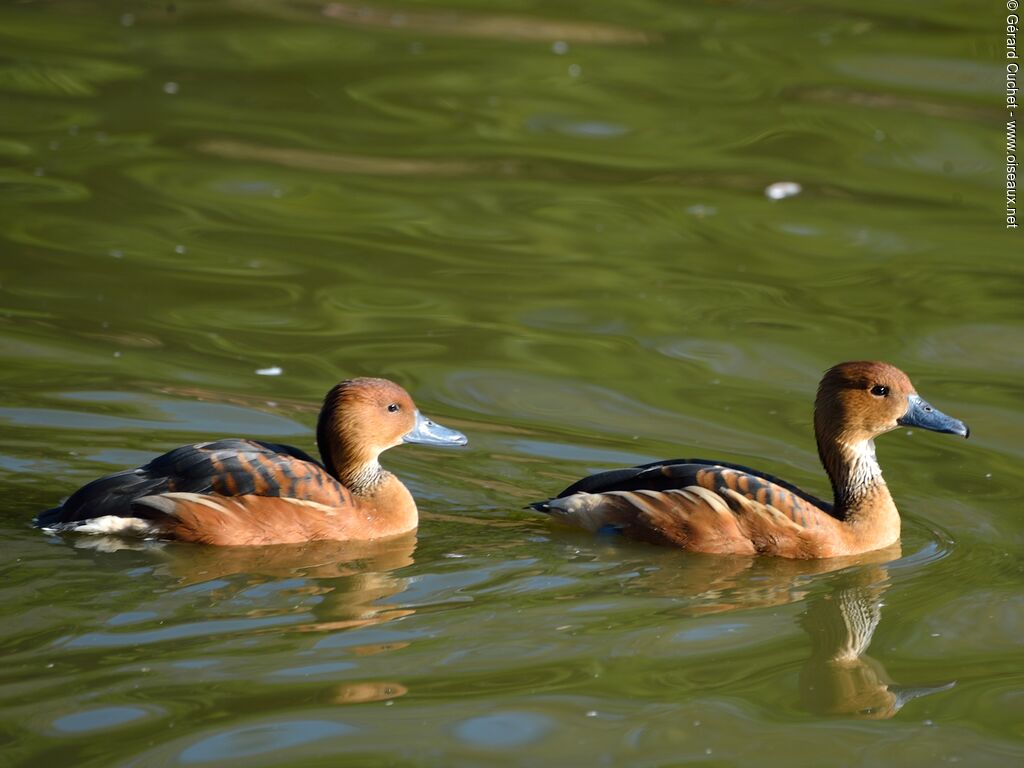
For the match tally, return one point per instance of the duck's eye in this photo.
(394, 407)
(879, 390)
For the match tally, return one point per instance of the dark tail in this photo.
(49, 518)
(110, 495)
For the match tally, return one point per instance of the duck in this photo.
(728, 509)
(240, 492)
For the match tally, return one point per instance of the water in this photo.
(548, 222)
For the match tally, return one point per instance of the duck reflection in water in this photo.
(351, 579)
(332, 586)
(843, 598)
(839, 678)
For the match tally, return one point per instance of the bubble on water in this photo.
(780, 190)
(170, 88)
(575, 70)
(273, 370)
(560, 47)
(702, 211)
(180, 249)
(127, 19)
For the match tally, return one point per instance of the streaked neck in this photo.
(857, 482)
(363, 478)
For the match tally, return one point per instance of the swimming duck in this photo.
(246, 492)
(714, 507)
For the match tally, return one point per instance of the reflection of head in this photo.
(838, 679)
(368, 690)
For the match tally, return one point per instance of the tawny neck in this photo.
(354, 466)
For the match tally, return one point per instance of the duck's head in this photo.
(859, 400)
(361, 418)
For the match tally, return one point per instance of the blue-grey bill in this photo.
(921, 414)
(427, 432)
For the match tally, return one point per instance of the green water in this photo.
(548, 222)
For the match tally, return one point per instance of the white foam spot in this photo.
(780, 190)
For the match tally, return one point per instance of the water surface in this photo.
(548, 221)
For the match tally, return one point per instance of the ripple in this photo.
(589, 129)
(486, 26)
(183, 631)
(937, 544)
(102, 719)
(23, 188)
(478, 673)
(504, 729)
(75, 76)
(259, 739)
(564, 403)
(153, 414)
(946, 75)
(754, 362)
(131, 246)
(317, 671)
(389, 300)
(973, 346)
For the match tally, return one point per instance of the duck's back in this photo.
(226, 468)
(699, 505)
